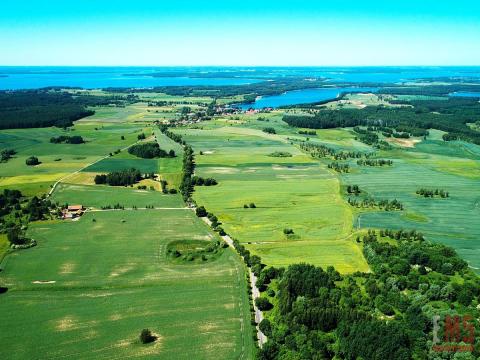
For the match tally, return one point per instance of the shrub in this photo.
(32, 160)
(287, 231)
(201, 211)
(265, 327)
(147, 337)
(263, 304)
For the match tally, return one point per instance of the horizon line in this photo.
(233, 65)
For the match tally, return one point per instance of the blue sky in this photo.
(146, 32)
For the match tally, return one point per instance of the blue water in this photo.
(302, 97)
(466, 94)
(96, 78)
(101, 77)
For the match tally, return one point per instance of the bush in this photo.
(201, 211)
(32, 160)
(15, 236)
(265, 327)
(287, 231)
(269, 130)
(263, 304)
(147, 337)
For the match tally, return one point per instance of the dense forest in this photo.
(450, 115)
(385, 314)
(47, 107)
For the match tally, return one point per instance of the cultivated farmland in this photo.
(91, 286)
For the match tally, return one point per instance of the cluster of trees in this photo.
(374, 162)
(16, 211)
(32, 161)
(199, 181)
(384, 314)
(119, 178)
(432, 193)
(7, 154)
(369, 202)
(141, 136)
(76, 139)
(204, 253)
(150, 150)
(353, 189)
(338, 167)
(250, 206)
(269, 130)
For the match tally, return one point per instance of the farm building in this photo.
(73, 211)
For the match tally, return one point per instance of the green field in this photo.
(454, 167)
(109, 280)
(103, 195)
(294, 192)
(57, 160)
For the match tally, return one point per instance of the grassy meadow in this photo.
(108, 277)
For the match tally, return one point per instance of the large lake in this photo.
(101, 77)
(303, 97)
(96, 78)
